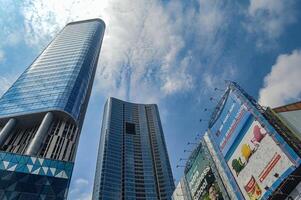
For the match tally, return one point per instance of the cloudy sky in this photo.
(170, 52)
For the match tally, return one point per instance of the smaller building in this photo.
(221, 171)
(291, 116)
(181, 192)
(201, 179)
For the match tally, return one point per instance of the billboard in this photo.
(257, 161)
(201, 180)
(255, 154)
(231, 120)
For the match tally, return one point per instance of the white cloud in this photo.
(11, 28)
(140, 52)
(210, 16)
(13, 38)
(78, 190)
(270, 18)
(142, 57)
(81, 182)
(43, 19)
(2, 55)
(282, 84)
(213, 81)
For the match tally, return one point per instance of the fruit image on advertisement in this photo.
(256, 160)
(237, 165)
(246, 151)
(253, 189)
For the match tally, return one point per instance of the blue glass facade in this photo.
(41, 115)
(132, 158)
(59, 79)
(29, 177)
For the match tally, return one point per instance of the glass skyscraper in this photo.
(41, 115)
(132, 158)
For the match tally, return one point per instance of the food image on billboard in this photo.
(253, 190)
(256, 161)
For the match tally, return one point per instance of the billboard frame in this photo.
(258, 113)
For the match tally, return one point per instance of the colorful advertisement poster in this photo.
(256, 161)
(255, 157)
(201, 180)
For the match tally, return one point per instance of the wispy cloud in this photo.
(140, 52)
(140, 47)
(43, 19)
(218, 80)
(268, 19)
(282, 84)
(151, 50)
(10, 34)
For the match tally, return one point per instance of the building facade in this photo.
(290, 115)
(202, 179)
(230, 191)
(259, 155)
(202, 176)
(181, 191)
(132, 158)
(41, 115)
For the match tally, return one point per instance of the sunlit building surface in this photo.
(291, 116)
(181, 191)
(229, 190)
(41, 115)
(132, 158)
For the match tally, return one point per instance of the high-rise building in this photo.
(132, 158)
(41, 115)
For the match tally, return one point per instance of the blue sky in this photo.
(173, 53)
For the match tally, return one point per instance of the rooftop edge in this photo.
(88, 20)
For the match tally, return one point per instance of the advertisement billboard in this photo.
(255, 154)
(231, 120)
(201, 180)
(257, 161)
